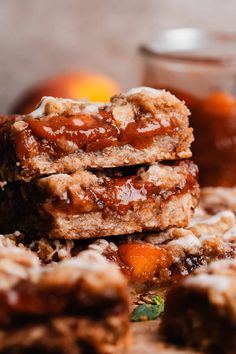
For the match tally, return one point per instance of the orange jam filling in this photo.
(118, 194)
(88, 132)
(115, 194)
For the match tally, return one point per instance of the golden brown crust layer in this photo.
(176, 211)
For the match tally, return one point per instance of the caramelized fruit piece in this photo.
(143, 260)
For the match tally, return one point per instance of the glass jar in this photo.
(199, 67)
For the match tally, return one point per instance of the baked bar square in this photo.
(76, 306)
(201, 310)
(152, 258)
(61, 136)
(102, 203)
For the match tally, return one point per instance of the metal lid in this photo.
(193, 45)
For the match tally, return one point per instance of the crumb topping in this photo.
(64, 106)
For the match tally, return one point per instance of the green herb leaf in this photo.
(150, 311)
(158, 300)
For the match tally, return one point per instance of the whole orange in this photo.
(75, 85)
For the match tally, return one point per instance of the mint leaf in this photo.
(150, 311)
(158, 300)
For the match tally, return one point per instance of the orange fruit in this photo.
(74, 85)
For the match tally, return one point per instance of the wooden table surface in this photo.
(145, 340)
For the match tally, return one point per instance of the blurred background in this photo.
(75, 48)
(40, 38)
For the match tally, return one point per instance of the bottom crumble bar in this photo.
(162, 256)
(201, 310)
(78, 306)
(149, 258)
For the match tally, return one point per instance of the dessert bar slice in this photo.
(154, 258)
(102, 203)
(160, 257)
(200, 311)
(141, 126)
(76, 306)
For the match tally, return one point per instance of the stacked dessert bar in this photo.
(77, 306)
(72, 173)
(77, 170)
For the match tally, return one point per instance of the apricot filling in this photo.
(144, 261)
(90, 132)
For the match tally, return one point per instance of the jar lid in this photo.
(193, 45)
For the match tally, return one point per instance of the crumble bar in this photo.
(160, 257)
(77, 306)
(102, 203)
(151, 258)
(141, 126)
(200, 310)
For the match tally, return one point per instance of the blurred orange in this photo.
(75, 85)
(219, 105)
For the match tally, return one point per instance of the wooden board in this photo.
(145, 340)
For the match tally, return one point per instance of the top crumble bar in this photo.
(141, 126)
